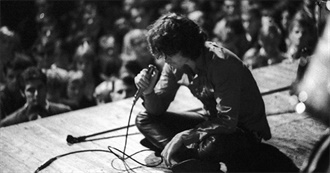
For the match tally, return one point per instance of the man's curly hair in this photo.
(174, 33)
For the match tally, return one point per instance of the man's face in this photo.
(176, 61)
(35, 92)
(230, 7)
(122, 91)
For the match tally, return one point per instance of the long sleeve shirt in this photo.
(225, 86)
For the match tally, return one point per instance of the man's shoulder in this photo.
(57, 108)
(220, 51)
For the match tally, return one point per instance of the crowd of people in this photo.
(90, 51)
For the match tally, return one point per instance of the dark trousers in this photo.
(159, 130)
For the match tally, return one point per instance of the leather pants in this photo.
(159, 130)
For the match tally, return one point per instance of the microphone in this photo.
(139, 92)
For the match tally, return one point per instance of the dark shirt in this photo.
(22, 115)
(10, 101)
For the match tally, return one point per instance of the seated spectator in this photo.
(34, 87)
(102, 92)
(10, 43)
(75, 97)
(302, 36)
(114, 90)
(84, 61)
(268, 53)
(123, 88)
(136, 49)
(229, 33)
(108, 74)
(251, 20)
(56, 83)
(11, 98)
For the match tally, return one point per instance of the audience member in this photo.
(10, 44)
(84, 61)
(229, 33)
(123, 88)
(10, 97)
(34, 87)
(115, 89)
(301, 36)
(74, 95)
(135, 51)
(251, 20)
(84, 35)
(268, 53)
(56, 83)
(102, 92)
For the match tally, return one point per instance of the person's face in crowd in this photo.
(122, 91)
(84, 65)
(298, 36)
(74, 90)
(176, 61)
(140, 45)
(35, 92)
(107, 44)
(230, 7)
(251, 24)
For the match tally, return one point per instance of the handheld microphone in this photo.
(139, 92)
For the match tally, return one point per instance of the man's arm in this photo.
(16, 117)
(163, 94)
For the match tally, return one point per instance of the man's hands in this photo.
(146, 82)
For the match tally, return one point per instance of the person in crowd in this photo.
(135, 51)
(198, 17)
(269, 52)
(234, 119)
(34, 87)
(75, 97)
(302, 36)
(11, 98)
(230, 34)
(84, 61)
(102, 92)
(231, 7)
(283, 14)
(109, 73)
(123, 88)
(115, 89)
(56, 83)
(10, 44)
(251, 20)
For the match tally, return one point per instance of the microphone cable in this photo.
(110, 149)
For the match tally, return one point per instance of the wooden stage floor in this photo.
(25, 147)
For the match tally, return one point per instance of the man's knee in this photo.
(142, 119)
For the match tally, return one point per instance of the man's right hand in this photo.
(146, 82)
